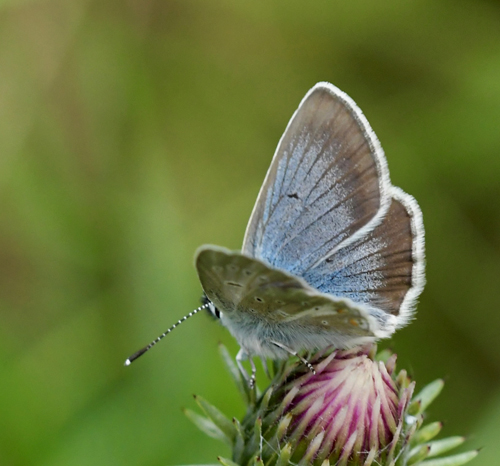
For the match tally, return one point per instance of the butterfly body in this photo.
(333, 254)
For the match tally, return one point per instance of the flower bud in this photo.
(353, 411)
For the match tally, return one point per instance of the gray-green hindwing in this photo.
(260, 304)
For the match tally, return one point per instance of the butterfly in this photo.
(333, 254)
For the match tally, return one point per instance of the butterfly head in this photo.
(210, 307)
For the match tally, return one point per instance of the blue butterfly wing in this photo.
(327, 198)
(327, 182)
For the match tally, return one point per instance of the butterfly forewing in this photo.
(327, 181)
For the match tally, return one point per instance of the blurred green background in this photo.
(131, 132)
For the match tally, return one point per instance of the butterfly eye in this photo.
(325, 323)
(247, 272)
(279, 302)
(260, 300)
(233, 268)
(317, 308)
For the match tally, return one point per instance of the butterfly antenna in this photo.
(163, 335)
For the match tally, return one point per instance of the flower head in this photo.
(350, 411)
(351, 408)
(355, 410)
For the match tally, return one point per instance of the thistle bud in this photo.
(355, 410)
(351, 410)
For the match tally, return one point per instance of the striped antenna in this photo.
(163, 335)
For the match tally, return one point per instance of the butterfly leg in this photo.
(254, 370)
(242, 356)
(294, 353)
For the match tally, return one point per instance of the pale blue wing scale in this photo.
(327, 184)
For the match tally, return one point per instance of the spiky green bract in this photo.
(355, 411)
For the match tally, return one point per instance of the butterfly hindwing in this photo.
(251, 293)
(384, 268)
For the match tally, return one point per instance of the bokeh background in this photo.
(131, 132)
